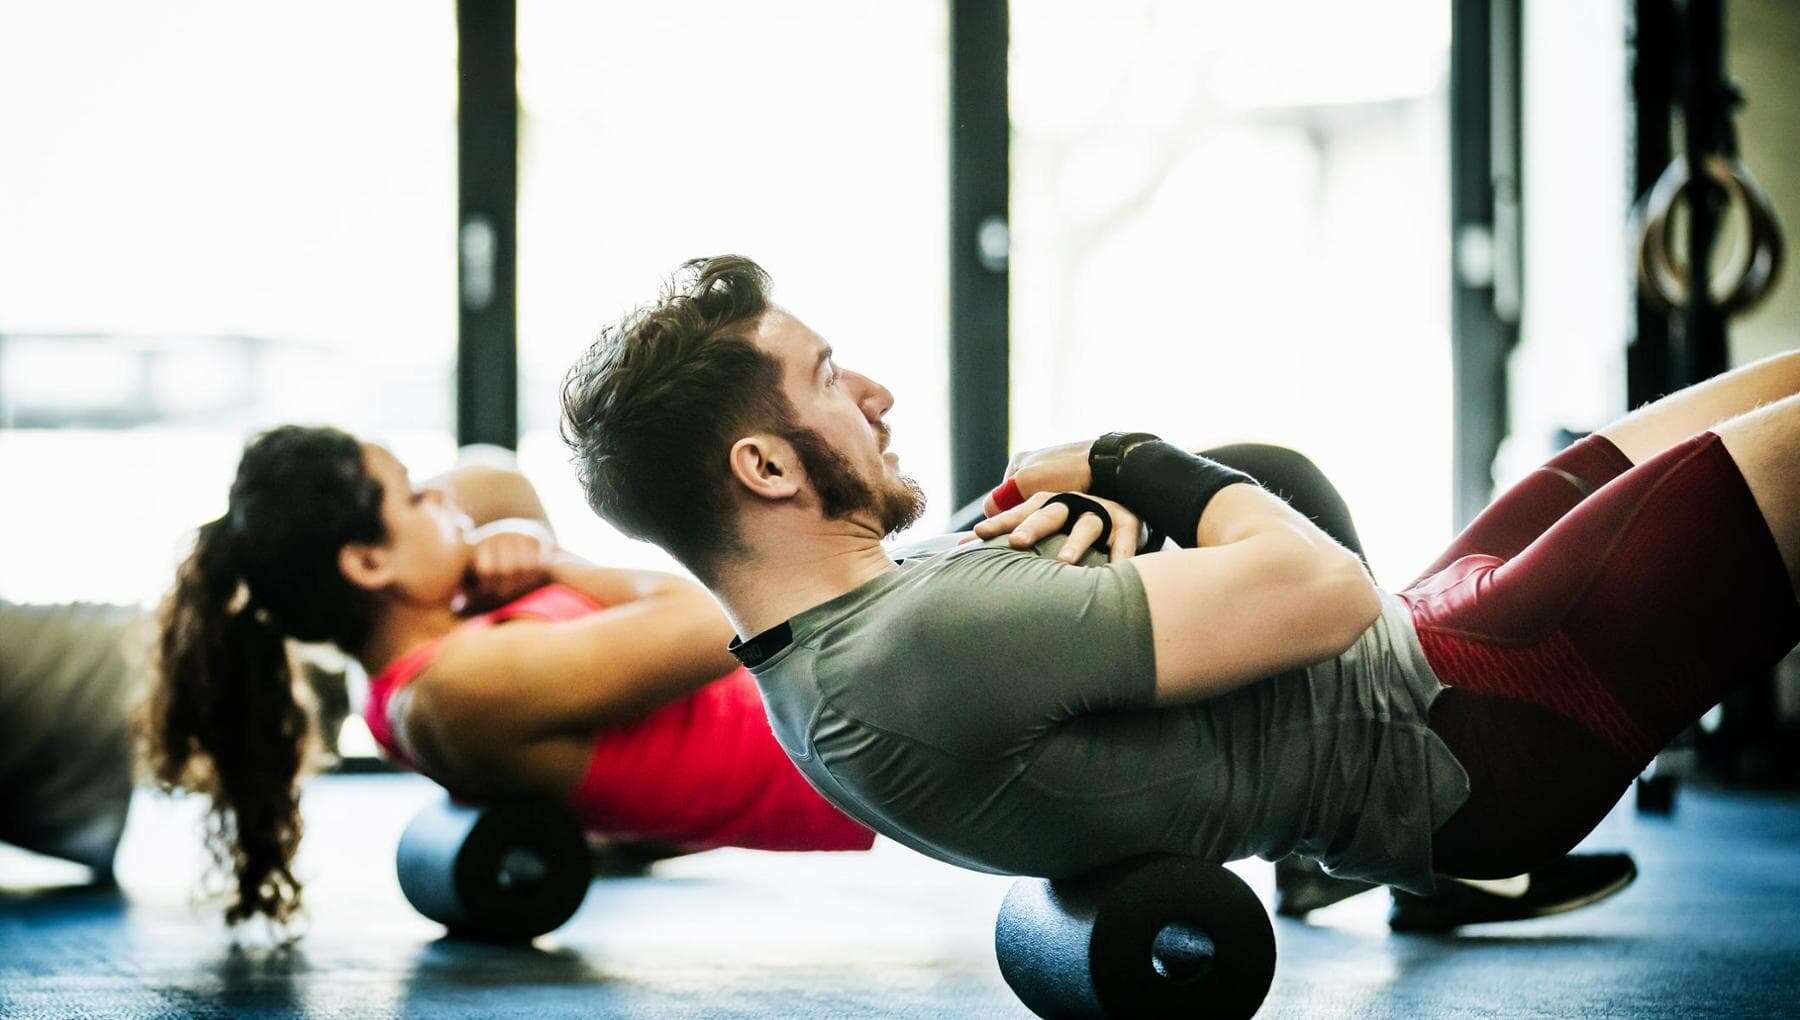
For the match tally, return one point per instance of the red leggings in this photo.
(1584, 619)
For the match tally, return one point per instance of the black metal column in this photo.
(1707, 110)
(1650, 369)
(1678, 77)
(1485, 232)
(980, 139)
(487, 176)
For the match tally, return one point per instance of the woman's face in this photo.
(427, 552)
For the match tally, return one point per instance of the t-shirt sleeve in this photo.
(993, 645)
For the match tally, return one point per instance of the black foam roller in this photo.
(1152, 937)
(502, 872)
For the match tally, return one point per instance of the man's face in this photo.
(838, 429)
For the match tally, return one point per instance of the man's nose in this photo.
(875, 399)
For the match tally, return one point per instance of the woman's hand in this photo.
(1032, 521)
(1050, 470)
(508, 558)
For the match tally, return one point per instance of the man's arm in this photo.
(1264, 591)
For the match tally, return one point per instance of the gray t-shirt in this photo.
(994, 709)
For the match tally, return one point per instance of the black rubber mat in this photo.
(1711, 928)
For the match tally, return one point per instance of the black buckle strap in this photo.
(1104, 457)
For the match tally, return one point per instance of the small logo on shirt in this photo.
(762, 647)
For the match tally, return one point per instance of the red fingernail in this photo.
(1006, 495)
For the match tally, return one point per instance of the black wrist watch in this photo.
(1106, 454)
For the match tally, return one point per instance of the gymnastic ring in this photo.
(1756, 261)
(1758, 258)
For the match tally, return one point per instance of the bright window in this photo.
(810, 136)
(1230, 222)
(214, 216)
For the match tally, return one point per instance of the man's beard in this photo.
(843, 492)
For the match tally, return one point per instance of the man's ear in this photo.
(766, 466)
(365, 565)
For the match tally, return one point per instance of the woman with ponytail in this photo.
(499, 665)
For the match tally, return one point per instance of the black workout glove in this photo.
(1167, 486)
(1078, 505)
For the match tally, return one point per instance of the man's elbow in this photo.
(1354, 601)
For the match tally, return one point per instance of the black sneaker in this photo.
(1301, 886)
(1573, 882)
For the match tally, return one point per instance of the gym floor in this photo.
(1712, 927)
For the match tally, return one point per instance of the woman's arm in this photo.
(615, 586)
(490, 491)
(515, 548)
(551, 767)
(513, 542)
(494, 692)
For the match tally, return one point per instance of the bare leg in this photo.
(1655, 427)
(1765, 443)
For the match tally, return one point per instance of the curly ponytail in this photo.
(225, 717)
(224, 720)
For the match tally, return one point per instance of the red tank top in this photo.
(702, 771)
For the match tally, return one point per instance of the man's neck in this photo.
(762, 592)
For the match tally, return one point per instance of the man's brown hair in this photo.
(652, 408)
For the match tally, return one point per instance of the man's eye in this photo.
(832, 381)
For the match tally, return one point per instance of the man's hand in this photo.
(507, 559)
(1031, 522)
(1050, 470)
